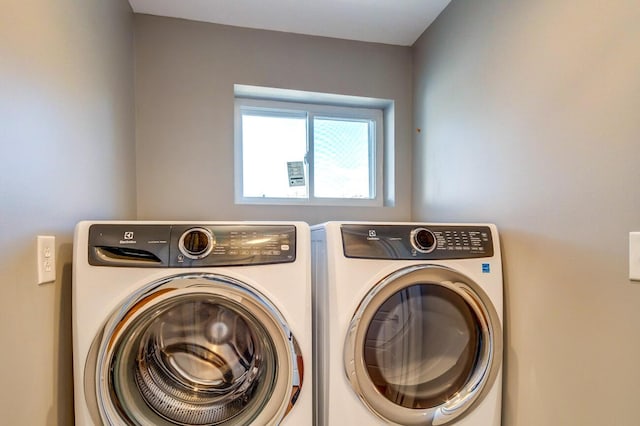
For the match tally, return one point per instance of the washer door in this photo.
(424, 346)
(198, 349)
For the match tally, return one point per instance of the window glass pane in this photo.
(341, 158)
(268, 144)
(342, 139)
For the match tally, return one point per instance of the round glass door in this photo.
(423, 346)
(196, 350)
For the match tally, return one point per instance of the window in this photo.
(308, 153)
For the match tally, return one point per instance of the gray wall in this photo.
(529, 113)
(67, 138)
(185, 72)
(529, 118)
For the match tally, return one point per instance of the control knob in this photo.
(423, 240)
(196, 243)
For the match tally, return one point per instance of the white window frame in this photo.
(321, 110)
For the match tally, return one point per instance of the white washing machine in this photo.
(182, 323)
(407, 324)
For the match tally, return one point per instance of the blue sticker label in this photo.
(486, 268)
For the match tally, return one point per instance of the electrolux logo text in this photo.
(128, 238)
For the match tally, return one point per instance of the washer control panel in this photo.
(424, 242)
(232, 245)
(186, 245)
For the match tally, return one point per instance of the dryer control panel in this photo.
(190, 245)
(422, 242)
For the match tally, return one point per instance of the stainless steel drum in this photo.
(198, 349)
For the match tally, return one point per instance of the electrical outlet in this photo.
(634, 256)
(46, 258)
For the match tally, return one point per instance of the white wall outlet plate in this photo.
(46, 258)
(634, 256)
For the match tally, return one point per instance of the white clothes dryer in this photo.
(179, 323)
(407, 324)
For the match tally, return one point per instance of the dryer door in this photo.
(424, 346)
(197, 349)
